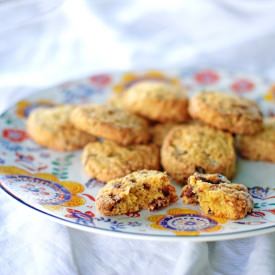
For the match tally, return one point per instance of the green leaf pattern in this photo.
(60, 166)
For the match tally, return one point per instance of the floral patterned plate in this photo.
(54, 184)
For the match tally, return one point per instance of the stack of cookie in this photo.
(207, 145)
(153, 126)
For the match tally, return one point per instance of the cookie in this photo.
(115, 101)
(227, 112)
(159, 132)
(260, 146)
(111, 123)
(158, 101)
(51, 127)
(144, 189)
(194, 147)
(217, 196)
(108, 160)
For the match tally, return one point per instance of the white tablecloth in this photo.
(80, 37)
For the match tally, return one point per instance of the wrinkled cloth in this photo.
(53, 43)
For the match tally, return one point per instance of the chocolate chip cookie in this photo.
(194, 147)
(52, 128)
(107, 160)
(144, 189)
(111, 123)
(158, 101)
(227, 112)
(260, 146)
(217, 196)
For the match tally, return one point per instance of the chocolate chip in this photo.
(110, 204)
(115, 198)
(214, 179)
(157, 204)
(110, 112)
(187, 192)
(166, 191)
(117, 185)
(110, 207)
(205, 179)
(209, 211)
(199, 169)
(146, 186)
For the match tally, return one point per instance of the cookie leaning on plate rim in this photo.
(109, 122)
(51, 127)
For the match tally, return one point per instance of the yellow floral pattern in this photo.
(24, 107)
(270, 95)
(128, 79)
(186, 222)
(74, 188)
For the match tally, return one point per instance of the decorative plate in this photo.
(55, 185)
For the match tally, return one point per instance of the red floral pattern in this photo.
(207, 77)
(14, 135)
(133, 215)
(242, 86)
(257, 214)
(100, 80)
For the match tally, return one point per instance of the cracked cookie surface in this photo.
(144, 189)
(107, 160)
(217, 196)
(260, 146)
(51, 127)
(194, 147)
(111, 123)
(157, 100)
(227, 112)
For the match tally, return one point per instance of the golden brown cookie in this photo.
(157, 101)
(144, 189)
(159, 132)
(111, 123)
(260, 146)
(116, 101)
(217, 196)
(194, 147)
(108, 160)
(51, 127)
(227, 112)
